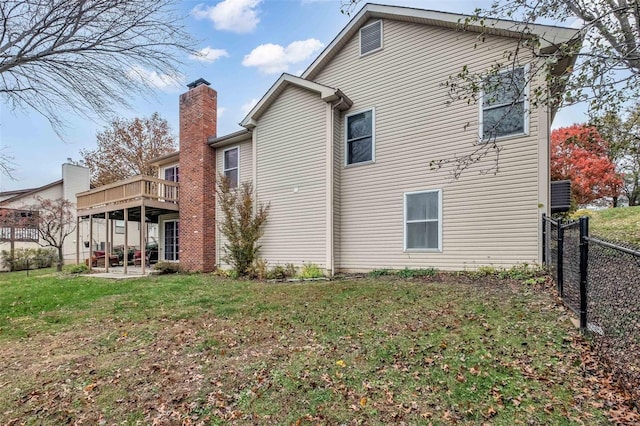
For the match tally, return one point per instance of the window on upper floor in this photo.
(423, 220)
(503, 112)
(371, 38)
(172, 174)
(360, 134)
(230, 166)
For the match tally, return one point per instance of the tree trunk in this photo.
(60, 260)
(615, 201)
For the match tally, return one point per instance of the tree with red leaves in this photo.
(580, 154)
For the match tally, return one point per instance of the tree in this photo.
(580, 154)
(623, 132)
(87, 56)
(126, 148)
(56, 222)
(241, 226)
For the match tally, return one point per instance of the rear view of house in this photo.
(359, 158)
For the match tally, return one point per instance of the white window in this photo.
(230, 166)
(371, 38)
(503, 111)
(360, 135)
(423, 220)
(172, 174)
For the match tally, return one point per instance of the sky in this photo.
(245, 45)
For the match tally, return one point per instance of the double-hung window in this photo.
(504, 105)
(230, 166)
(360, 133)
(423, 220)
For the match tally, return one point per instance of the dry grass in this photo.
(202, 350)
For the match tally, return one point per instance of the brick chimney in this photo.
(198, 121)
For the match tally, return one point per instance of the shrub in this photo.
(80, 268)
(280, 272)
(380, 272)
(310, 270)
(290, 270)
(167, 268)
(277, 273)
(517, 272)
(259, 269)
(29, 258)
(417, 273)
(241, 226)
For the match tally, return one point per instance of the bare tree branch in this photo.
(86, 55)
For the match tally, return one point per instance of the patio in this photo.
(118, 272)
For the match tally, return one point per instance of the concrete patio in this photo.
(117, 272)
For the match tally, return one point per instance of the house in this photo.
(345, 154)
(74, 179)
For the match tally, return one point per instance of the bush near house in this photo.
(241, 226)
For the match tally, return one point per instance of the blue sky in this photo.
(246, 45)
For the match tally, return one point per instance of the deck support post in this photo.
(125, 256)
(90, 242)
(143, 243)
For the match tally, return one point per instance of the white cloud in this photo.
(209, 55)
(239, 16)
(165, 82)
(273, 58)
(221, 111)
(245, 108)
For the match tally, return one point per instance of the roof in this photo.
(171, 157)
(27, 192)
(15, 192)
(549, 36)
(235, 137)
(327, 94)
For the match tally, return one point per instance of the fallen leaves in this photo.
(432, 361)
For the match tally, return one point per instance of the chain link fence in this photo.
(600, 281)
(613, 308)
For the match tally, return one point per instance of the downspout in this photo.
(342, 103)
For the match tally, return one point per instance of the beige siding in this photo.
(246, 175)
(291, 176)
(487, 219)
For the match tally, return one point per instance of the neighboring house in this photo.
(344, 153)
(74, 179)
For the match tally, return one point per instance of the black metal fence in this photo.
(600, 281)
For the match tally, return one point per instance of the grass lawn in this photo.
(621, 223)
(196, 349)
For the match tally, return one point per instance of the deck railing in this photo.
(135, 188)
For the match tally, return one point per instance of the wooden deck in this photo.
(134, 192)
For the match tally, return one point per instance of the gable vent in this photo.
(371, 38)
